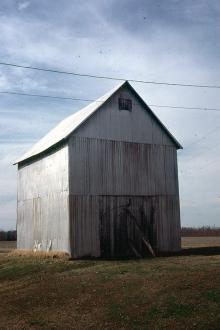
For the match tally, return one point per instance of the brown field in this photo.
(6, 246)
(179, 292)
(198, 242)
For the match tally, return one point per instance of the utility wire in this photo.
(152, 105)
(93, 100)
(107, 77)
(48, 96)
(184, 108)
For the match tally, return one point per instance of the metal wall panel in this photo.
(104, 176)
(111, 123)
(43, 176)
(104, 167)
(84, 226)
(25, 237)
(102, 226)
(43, 202)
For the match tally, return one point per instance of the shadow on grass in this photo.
(203, 251)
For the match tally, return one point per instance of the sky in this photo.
(170, 40)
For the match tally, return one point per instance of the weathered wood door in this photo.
(124, 222)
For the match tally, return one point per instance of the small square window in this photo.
(124, 104)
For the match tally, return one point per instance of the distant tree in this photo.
(2, 235)
(10, 235)
(200, 231)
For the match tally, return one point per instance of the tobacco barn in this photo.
(102, 183)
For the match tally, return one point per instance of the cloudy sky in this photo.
(170, 40)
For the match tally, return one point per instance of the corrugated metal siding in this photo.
(104, 176)
(112, 124)
(43, 202)
(84, 226)
(25, 236)
(38, 178)
(137, 125)
(101, 225)
(101, 167)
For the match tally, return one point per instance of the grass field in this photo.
(181, 292)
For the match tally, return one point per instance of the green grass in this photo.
(161, 293)
(213, 295)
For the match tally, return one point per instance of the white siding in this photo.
(111, 123)
(43, 202)
(103, 167)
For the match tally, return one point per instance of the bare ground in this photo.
(7, 246)
(197, 242)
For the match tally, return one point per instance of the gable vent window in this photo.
(125, 104)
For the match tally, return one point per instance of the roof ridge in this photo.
(68, 125)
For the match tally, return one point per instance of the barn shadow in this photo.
(202, 251)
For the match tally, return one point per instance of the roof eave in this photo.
(124, 83)
(178, 145)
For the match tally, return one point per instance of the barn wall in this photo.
(111, 123)
(43, 202)
(103, 167)
(84, 226)
(104, 225)
(108, 178)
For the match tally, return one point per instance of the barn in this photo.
(103, 183)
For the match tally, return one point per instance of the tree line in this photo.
(200, 231)
(10, 235)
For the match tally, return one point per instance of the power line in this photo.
(108, 77)
(184, 108)
(48, 96)
(93, 100)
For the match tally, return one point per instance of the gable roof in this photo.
(72, 122)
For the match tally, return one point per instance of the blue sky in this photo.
(168, 40)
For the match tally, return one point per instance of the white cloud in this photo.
(23, 5)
